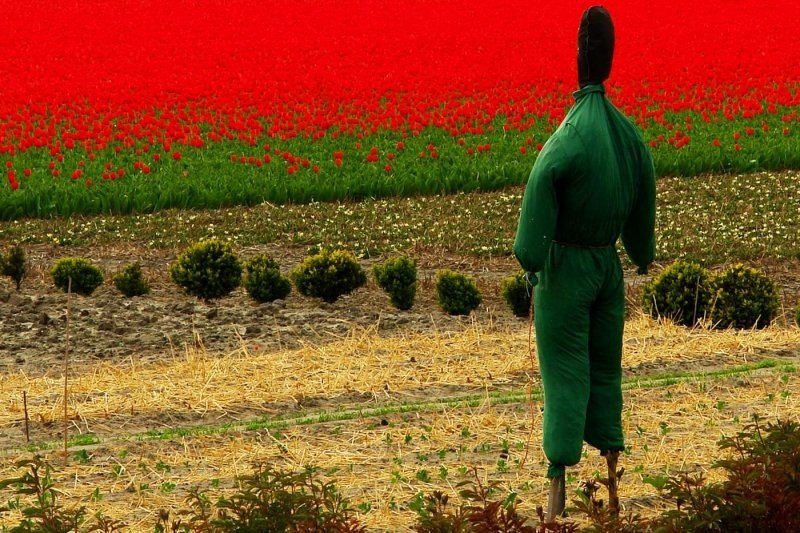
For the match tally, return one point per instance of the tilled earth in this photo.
(106, 325)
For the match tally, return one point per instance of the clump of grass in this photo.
(76, 274)
(456, 293)
(398, 277)
(13, 264)
(208, 269)
(131, 282)
(745, 298)
(263, 280)
(328, 275)
(682, 292)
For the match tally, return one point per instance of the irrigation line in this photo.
(456, 402)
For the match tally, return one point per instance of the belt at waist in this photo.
(588, 246)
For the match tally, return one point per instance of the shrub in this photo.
(457, 294)
(328, 275)
(263, 280)
(13, 265)
(761, 491)
(85, 276)
(517, 293)
(797, 315)
(398, 277)
(131, 282)
(745, 298)
(682, 292)
(208, 269)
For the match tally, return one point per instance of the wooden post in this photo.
(557, 499)
(612, 459)
(66, 372)
(25, 408)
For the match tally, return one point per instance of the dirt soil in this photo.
(108, 326)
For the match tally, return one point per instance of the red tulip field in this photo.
(137, 106)
(132, 129)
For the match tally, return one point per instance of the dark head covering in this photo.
(595, 46)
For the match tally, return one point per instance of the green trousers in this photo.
(579, 313)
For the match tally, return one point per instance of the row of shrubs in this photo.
(739, 297)
(210, 269)
(759, 492)
(684, 292)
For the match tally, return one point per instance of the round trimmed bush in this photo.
(682, 292)
(517, 293)
(131, 282)
(745, 298)
(328, 275)
(263, 280)
(457, 293)
(12, 264)
(208, 269)
(398, 277)
(85, 276)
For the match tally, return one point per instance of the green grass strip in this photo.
(457, 402)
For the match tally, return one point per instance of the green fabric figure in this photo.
(592, 182)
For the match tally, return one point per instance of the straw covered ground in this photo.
(384, 415)
(167, 393)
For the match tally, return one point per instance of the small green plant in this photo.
(682, 292)
(84, 275)
(263, 280)
(131, 282)
(457, 293)
(398, 277)
(328, 275)
(517, 293)
(38, 500)
(761, 491)
(275, 500)
(745, 298)
(13, 264)
(208, 269)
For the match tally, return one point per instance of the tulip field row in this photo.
(142, 105)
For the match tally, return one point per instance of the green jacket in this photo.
(592, 181)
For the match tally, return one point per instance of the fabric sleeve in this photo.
(638, 233)
(539, 213)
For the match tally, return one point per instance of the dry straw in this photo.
(668, 427)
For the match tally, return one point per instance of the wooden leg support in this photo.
(612, 458)
(557, 499)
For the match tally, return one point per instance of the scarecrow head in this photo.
(595, 46)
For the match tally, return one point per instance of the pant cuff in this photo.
(555, 471)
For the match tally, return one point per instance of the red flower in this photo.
(337, 162)
(77, 174)
(736, 135)
(27, 171)
(156, 157)
(716, 142)
(539, 147)
(400, 145)
(749, 131)
(89, 182)
(388, 168)
(176, 155)
(737, 147)
(315, 169)
(523, 150)
(372, 158)
(338, 155)
(145, 169)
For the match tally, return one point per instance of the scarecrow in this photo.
(592, 183)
